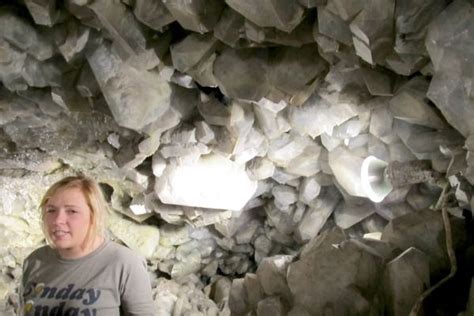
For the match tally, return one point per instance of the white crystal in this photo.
(309, 189)
(346, 167)
(211, 182)
(142, 238)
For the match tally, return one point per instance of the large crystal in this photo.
(346, 215)
(372, 30)
(226, 185)
(122, 26)
(317, 213)
(346, 167)
(450, 45)
(412, 18)
(281, 14)
(153, 13)
(304, 65)
(192, 50)
(44, 12)
(135, 97)
(333, 26)
(229, 29)
(318, 287)
(409, 105)
(317, 116)
(272, 275)
(142, 238)
(408, 231)
(241, 74)
(72, 41)
(196, 15)
(24, 36)
(405, 278)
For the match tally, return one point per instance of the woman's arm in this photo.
(136, 295)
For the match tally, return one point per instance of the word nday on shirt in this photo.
(110, 281)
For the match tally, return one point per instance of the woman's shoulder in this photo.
(41, 253)
(39, 257)
(122, 253)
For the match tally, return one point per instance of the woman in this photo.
(81, 272)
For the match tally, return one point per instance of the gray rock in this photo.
(153, 13)
(214, 112)
(422, 196)
(299, 36)
(86, 84)
(311, 3)
(378, 82)
(263, 247)
(409, 231)
(135, 97)
(43, 100)
(411, 23)
(271, 118)
(381, 121)
(282, 15)
(82, 12)
(423, 142)
(372, 31)
(238, 297)
(317, 116)
(408, 104)
(394, 210)
(221, 289)
(334, 27)
(239, 222)
(254, 290)
(119, 21)
(303, 63)
(284, 150)
(23, 36)
(284, 195)
(44, 12)
(309, 189)
(470, 302)
(450, 48)
(317, 214)
(172, 235)
(405, 278)
(249, 66)
(271, 306)
(72, 39)
(470, 159)
(346, 214)
(280, 218)
(193, 49)
(317, 286)
(272, 276)
(196, 15)
(346, 9)
(20, 70)
(43, 74)
(230, 28)
(405, 64)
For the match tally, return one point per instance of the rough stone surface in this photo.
(406, 277)
(323, 288)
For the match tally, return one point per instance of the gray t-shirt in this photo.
(112, 280)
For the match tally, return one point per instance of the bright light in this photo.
(374, 180)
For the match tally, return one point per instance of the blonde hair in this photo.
(95, 200)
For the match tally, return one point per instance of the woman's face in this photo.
(68, 219)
